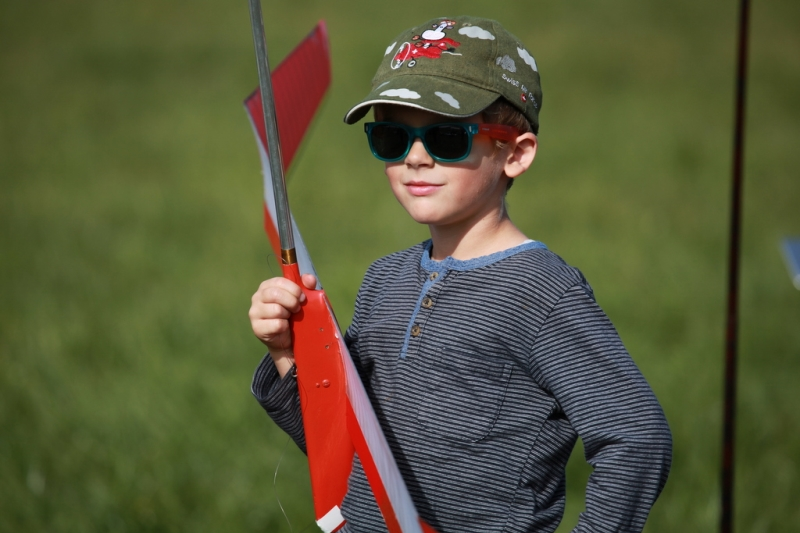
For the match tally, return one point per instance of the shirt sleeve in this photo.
(279, 398)
(580, 359)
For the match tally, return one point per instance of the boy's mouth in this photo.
(421, 188)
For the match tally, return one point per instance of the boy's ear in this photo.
(521, 155)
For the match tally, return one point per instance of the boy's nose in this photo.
(418, 155)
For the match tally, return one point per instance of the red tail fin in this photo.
(299, 84)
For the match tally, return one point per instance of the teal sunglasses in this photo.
(446, 143)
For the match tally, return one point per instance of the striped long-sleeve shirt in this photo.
(483, 373)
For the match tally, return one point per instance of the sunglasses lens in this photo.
(389, 142)
(447, 142)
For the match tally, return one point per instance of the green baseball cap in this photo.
(455, 67)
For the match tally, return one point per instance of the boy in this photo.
(484, 354)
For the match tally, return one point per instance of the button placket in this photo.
(417, 329)
(426, 307)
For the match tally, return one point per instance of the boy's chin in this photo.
(429, 219)
(422, 219)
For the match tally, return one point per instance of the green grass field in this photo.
(131, 241)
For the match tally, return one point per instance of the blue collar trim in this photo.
(449, 263)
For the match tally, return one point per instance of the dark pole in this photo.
(731, 334)
(288, 255)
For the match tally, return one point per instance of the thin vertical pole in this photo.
(273, 140)
(731, 334)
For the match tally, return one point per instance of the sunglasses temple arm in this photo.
(499, 131)
(288, 254)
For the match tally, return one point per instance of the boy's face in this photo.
(446, 194)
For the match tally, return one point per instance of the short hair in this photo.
(502, 112)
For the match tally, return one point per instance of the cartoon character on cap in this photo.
(430, 44)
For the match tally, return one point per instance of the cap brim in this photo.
(438, 95)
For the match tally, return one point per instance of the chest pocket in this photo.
(465, 395)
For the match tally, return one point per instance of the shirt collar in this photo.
(450, 263)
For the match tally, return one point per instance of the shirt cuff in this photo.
(275, 394)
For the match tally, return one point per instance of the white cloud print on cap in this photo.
(526, 57)
(447, 97)
(401, 93)
(476, 32)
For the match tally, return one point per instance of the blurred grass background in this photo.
(131, 241)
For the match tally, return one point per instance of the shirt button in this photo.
(415, 330)
(427, 303)
(434, 275)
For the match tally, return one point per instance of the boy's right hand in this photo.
(272, 305)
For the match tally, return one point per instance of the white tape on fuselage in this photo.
(332, 520)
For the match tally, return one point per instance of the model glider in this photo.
(338, 419)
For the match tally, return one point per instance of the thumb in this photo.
(310, 281)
